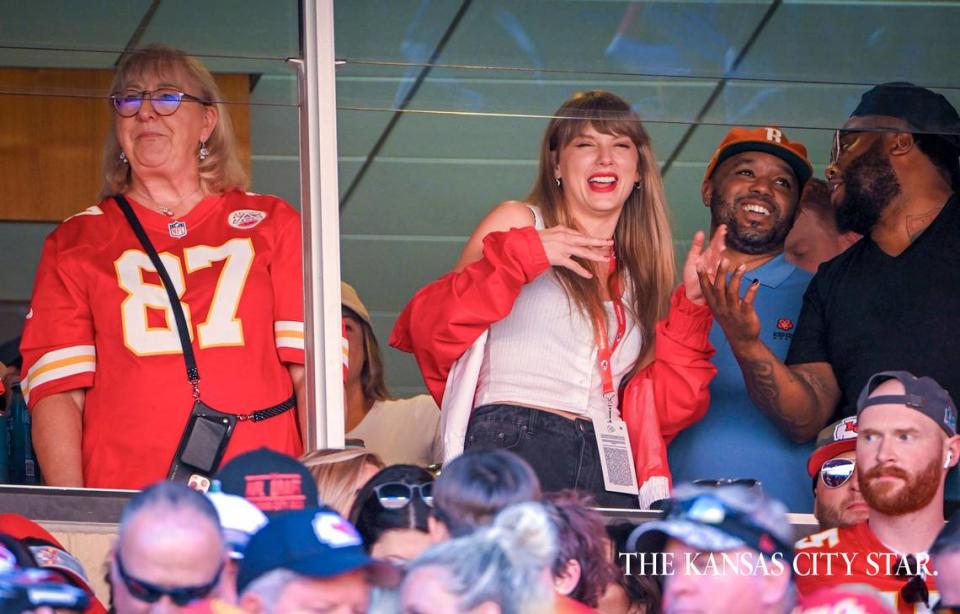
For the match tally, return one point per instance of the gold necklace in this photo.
(168, 210)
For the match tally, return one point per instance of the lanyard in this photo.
(604, 349)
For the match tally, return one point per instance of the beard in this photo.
(869, 186)
(746, 239)
(834, 517)
(917, 491)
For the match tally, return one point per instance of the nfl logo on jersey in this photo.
(178, 230)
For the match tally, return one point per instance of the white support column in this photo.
(321, 227)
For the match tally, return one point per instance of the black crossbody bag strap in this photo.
(193, 375)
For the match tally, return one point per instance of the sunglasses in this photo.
(721, 482)
(837, 471)
(151, 593)
(397, 495)
(165, 101)
(712, 511)
(843, 139)
(915, 590)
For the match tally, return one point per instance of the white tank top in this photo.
(544, 353)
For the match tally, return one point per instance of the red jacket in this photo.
(446, 317)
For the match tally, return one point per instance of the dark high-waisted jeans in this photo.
(563, 452)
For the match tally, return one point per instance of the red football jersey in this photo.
(854, 555)
(100, 320)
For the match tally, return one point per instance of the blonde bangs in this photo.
(642, 239)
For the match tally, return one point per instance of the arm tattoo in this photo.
(813, 382)
(760, 383)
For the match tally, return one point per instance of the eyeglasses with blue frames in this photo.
(151, 593)
(397, 495)
(165, 101)
(837, 471)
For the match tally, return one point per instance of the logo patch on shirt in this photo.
(246, 218)
(784, 326)
(178, 229)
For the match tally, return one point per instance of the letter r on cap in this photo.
(774, 135)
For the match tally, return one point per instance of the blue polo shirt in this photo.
(735, 439)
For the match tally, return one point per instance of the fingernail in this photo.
(742, 267)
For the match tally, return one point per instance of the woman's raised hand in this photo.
(561, 244)
(700, 259)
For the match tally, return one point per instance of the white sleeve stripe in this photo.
(54, 374)
(288, 326)
(56, 355)
(290, 342)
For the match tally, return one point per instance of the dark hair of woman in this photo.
(373, 520)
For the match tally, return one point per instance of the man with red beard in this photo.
(890, 300)
(907, 442)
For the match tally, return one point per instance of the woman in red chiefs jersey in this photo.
(555, 302)
(105, 376)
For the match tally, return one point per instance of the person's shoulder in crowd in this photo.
(841, 262)
(419, 406)
(838, 539)
(92, 227)
(834, 556)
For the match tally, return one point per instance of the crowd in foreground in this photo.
(484, 537)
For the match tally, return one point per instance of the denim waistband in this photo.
(531, 418)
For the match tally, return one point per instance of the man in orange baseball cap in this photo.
(752, 186)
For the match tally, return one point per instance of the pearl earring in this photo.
(204, 152)
(123, 158)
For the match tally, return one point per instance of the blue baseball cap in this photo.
(923, 394)
(317, 543)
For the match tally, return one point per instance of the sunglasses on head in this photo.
(397, 495)
(709, 510)
(151, 593)
(837, 471)
(721, 482)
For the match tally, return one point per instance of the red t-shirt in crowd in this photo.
(100, 320)
(854, 555)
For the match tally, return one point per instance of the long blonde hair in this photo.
(642, 240)
(221, 170)
(336, 472)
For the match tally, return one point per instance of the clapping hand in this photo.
(700, 259)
